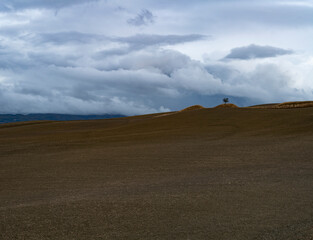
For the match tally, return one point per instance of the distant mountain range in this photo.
(7, 118)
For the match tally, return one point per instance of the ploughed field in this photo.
(235, 173)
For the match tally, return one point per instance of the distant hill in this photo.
(7, 118)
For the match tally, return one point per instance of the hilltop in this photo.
(194, 107)
(228, 105)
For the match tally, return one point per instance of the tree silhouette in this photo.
(225, 100)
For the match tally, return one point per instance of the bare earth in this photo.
(201, 174)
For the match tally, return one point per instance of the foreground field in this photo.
(202, 174)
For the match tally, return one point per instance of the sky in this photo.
(144, 56)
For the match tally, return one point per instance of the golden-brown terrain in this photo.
(233, 173)
(286, 105)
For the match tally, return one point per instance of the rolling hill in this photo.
(220, 173)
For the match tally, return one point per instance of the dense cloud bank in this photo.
(135, 81)
(79, 68)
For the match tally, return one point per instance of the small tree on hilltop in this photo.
(225, 100)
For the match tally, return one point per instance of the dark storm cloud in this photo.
(145, 17)
(6, 5)
(254, 51)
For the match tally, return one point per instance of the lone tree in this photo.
(225, 100)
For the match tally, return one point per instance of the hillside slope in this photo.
(239, 173)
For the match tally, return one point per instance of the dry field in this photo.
(235, 173)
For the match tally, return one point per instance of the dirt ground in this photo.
(202, 174)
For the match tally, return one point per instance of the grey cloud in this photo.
(138, 41)
(80, 90)
(141, 41)
(145, 40)
(10, 59)
(145, 17)
(112, 52)
(254, 51)
(60, 38)
(160, 61)
(7, 5)
(135, 87)
(52, 59)
(150, 80)
(221, 71)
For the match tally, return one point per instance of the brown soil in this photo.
(209, 174)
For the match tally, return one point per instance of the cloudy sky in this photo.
(143, 56)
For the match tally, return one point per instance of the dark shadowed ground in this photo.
(202, 174)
